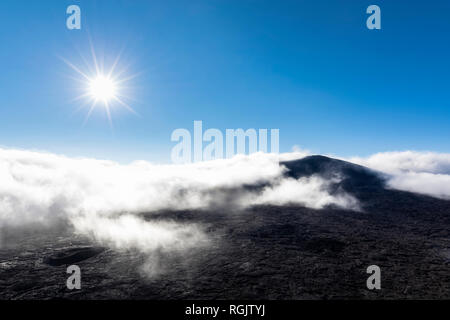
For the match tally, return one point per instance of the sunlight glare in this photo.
(102, 88)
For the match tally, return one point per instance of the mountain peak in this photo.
(353, 176)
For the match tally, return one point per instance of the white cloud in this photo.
(420, 172)
(310, 192)
(39, 187)
(127, 232)
(296, 153)
(104, 199)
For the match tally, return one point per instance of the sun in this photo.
(102, 88)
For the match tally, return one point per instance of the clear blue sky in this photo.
(310, 68)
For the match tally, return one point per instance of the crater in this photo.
(72, 255)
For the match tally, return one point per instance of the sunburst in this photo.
(102, 89)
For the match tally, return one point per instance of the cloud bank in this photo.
(310, 192)
(421, 172)
(40, 187)
(104, 200)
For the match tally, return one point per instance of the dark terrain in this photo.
(265, 252)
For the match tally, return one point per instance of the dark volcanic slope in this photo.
(266, 252)
(354, 177)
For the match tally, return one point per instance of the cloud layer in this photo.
(420, 172)
(310, 192)
(40, 187)
(104, 200)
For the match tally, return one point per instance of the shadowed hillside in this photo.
(354, 177)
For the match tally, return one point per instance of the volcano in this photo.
(261, 252)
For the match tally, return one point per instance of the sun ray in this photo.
(81, 81)
(129, 78)
(125, 105)
(94, 56)
(88, 115)
(127, 97)
(108, 112)
(116, 61)
(75, 68)
(80, 97)
(85, 61)
(81, 106)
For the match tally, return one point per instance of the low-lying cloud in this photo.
(310, 192)
(103, 199)
(421, 172)
(153, 238)
(40, 187)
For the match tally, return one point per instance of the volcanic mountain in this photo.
(354, 177)
(262, 252)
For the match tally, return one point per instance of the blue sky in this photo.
(310, 68)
